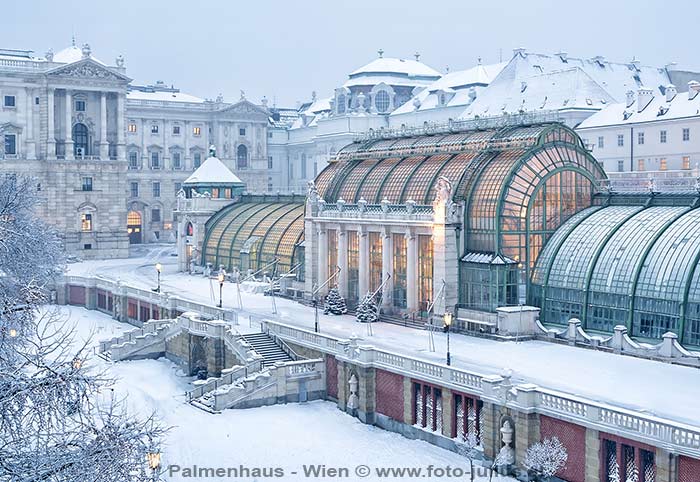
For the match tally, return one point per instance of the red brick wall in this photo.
(331, 376)
(574, 439)
(389, 393)
(76, 295)
(688, 470)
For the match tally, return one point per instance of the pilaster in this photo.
(411, 271)
(490, 425)
(363, 272)
(104, 147)
(447, 401)
(343, 262)
(593, 455)
(68, 128)
(387, 268)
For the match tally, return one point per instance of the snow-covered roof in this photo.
(487, 258)
(393, 72)
(213, 171)
(572, 88)
(72, 54)
(465, 84)
(163, 96)
(411, 68)
(658, 109)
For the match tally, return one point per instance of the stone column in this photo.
(447, 401)
(490, 436)
(30, 143)
(322, 265)
(593, 456)
(51, 132)
(666, 466)
(343, 262)
(387, 268)
(411, 271)
(363, 271)
(527, 432)
(104, 147)
(68, 128)
(121, 134)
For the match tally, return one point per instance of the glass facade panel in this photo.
(332, 236)
(369, 188)
(399, 278)
(353, 265)
(375, 261)
(420, 179)
(394, 183)
(425, 271)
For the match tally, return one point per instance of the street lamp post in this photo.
(221, 277)
(448, 321)
(159, 268)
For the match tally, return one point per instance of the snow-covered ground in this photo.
(287, 437)
(657, 388)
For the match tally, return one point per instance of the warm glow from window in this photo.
(664, 165)
(132, 128)
(686, 162)
(640, 164)
(86, 222)
(197, 131)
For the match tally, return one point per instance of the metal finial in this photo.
(381, 53)
(417, 56)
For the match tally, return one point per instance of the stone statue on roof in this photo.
(120, 61)
(443, 190)
(212, 150)
(311, 192)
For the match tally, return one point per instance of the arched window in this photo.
(341, 104)
(190, 229)
(242, 157)
(80, 140)
(382, 101)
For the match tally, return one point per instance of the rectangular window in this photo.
(155, 160)
(36, 100)
(269, 135)
(215, 193)
(86, 222)
(353, 265)
(87, 184)
(620, 140)
(176, 130)
(466, 417)
(663, 165)
(197, 131)
(640, 164)
(620, 166)
(177, 163)
(427, 407)
(425, 271)
(156, 188)
(11, 144)
(80, 106)
(269, 162)
(662, 137)
(132, 127)
(399, 242)
(167, 225)
(134, 189)
(640, 138)
(241, 131)
(178, 186)
(154, 128)
(155, 215)
(332, 253)
(686, 162)
(133, 160)
(601, 142)
(197, 159)
(10, 101)
(375, 261)
(686, 134)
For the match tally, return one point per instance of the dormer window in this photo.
(382, 101)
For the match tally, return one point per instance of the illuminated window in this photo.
(640, 164)
(215, 193)
(353, 264)
(167, 225)
(375, 261)
(332, 254)
(197, 131)
(399, 242)
(132, 128)
(663, 165)
(425, 271)
(227, 193)
(190, 229)
(86, 222)
(382, 101)
(686, 162)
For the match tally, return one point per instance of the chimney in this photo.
(519, 51)
(693, 89)
(630, 98)
(644, 96)
(670, 92)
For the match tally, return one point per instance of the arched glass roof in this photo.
(631, 265)
(250, 235)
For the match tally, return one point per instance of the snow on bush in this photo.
(335, 303)
(546, 458)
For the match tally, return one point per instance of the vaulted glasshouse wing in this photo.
(632, 262)
(251, 235)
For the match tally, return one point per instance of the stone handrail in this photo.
(679, 437)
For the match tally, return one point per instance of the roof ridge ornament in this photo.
(212, 150)
(381, 53)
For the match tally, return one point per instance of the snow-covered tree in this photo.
(334, 303)
(367, 310)
(468, 447)
(546, 458)
(59, 421)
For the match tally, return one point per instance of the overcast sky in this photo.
(286, 49)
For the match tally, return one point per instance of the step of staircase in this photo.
(105, 355)
(266, 347)
(409, 323)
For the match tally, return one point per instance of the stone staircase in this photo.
(265, 345)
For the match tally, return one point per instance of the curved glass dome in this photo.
(624, 265)
(250, 235)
